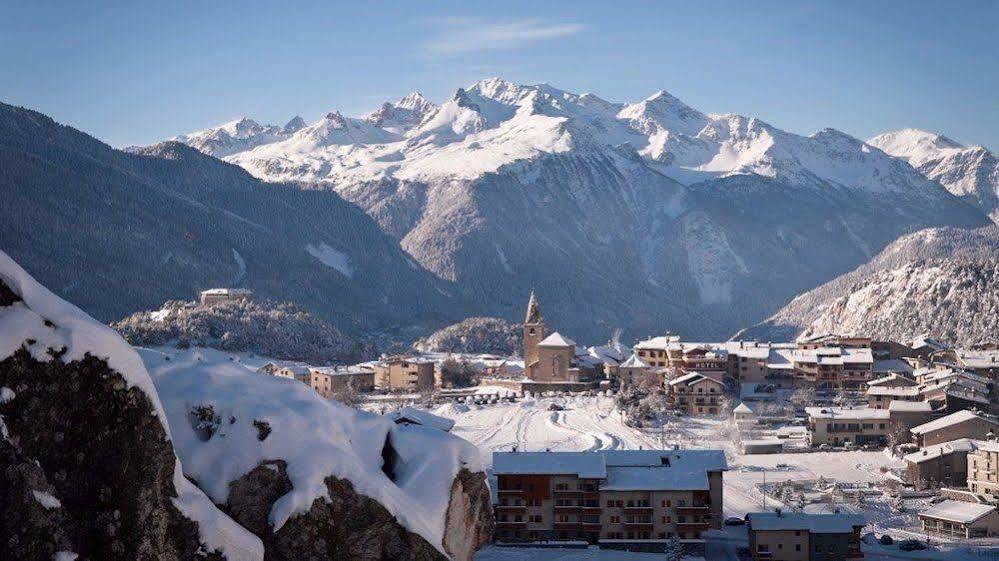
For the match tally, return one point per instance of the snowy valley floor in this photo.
(591, 423)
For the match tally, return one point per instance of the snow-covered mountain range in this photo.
(649, 215)
(969, 172)
(940, 281)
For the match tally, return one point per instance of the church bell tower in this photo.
(534, 332)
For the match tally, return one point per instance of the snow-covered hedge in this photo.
(275, 329)
(475, 335)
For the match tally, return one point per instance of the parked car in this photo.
(734, 521)
(911, 545)
(556, 407)
(886, 540)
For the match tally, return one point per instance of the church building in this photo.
(547, 358)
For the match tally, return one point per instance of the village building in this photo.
(828, 340)
(838, 426)
(633, 372)
(892, 380)
(553, 361)
(904, 415)
(214, 296)
(330, 380)
(940, 465)
(983, 471)
(404, 374)
(924, 346)
(983, 362)
(878, 397)
(743, 415)
(834, 368)
(291, 370)
(696, 394)
(961, 519)
(797, 536)
(892, 366)
(748, 361)
(962, 424)
(630, 499)
(655, 351)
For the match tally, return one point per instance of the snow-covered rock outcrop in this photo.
(316, 479)
(648, 216)
(87, 467)
(273, 329)
(970, 172)
(941, 281)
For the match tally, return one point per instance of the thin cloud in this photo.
(466, 35)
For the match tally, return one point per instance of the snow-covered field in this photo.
(590, 423)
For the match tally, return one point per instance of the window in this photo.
(797, 547)
(610, 504)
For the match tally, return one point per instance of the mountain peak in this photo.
(295, 124)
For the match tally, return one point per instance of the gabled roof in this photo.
(949, 420)
(587, 465)
(937, 450)
(557, 340)
(633, 362)
(909, 406)
(685, 378)
(742, 408)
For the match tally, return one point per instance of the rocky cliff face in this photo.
(89, 466)
(940, 281)
(316, 479)
(86, 464)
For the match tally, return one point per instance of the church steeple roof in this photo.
(533, 310)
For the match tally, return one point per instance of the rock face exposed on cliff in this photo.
(86, 463)
(941, 282)
(316, 479)
(89, 464)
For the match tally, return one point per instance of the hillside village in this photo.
(929, 407)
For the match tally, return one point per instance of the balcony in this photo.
(693, 509)
(566, 509)
(692, 526)
(511, 525)
(566, 525)
(639, 524)
(637, 509)
(510, 491)
(511, 508)
(591, 509)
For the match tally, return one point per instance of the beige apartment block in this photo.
(839, 426)
(983, 471)
(404, 374)
(797, 536)
(638, 498)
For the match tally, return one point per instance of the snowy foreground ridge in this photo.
(317, 438)
(51, 322)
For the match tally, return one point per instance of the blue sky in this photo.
(130, 73)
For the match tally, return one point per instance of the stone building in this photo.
(940, 465)
(696, 394)
(329, 380)
(962, 424)
(550, 361)
(983, 471)
(839, 426)
(225, 295)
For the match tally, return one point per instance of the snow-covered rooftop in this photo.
(932, 452)
(633, 362)
(957, 511)
(586, 465)
(598, 464)
(893, 365)
(949, 420)
(227, 291)
(742, 408)
(901, 391)
(656, 478)
(816, 523)
(891, 379)
(846, 413)
(556, 339)
(910, 406)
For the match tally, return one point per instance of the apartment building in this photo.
(696, 394)
(940, 465)
(634, 372)
(839, 426)
(962, 424)
(781, 536)
(214, 296)
(834, 368)
(614, 498)
(983, 471)
(402, 373)
(879, 397)
(328, 380)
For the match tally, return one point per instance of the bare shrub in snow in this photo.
(458, 374)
